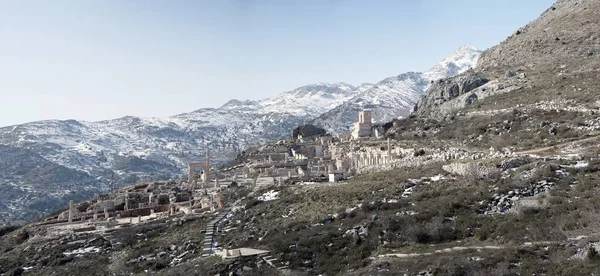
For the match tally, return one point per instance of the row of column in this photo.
(359, 161)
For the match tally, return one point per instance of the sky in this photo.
(95, 60)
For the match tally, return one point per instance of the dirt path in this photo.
(462, 248)
(538, 150)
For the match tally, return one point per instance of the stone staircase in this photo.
(208, 244)
(114, 242)
(272, 261)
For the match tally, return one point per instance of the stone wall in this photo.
(471, 169)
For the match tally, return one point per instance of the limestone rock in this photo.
(445, 90)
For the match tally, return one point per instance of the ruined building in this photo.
(363, 128)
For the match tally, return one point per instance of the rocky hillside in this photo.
(31, 184)
(568, 30)
(395, 97)
(495, 174)
(554, 57)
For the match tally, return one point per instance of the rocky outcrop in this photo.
(562, 42)
(448, 89)
(308, 131)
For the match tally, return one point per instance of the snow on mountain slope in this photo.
(129, 148)
(395, 96)
(463, 59)
(303, 101)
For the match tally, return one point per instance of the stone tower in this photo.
(363, 128)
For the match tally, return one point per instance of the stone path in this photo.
(445, 250)
(209, 236)
(539, 150)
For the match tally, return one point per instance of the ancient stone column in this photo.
(126, 200)
(190, 174)
(139, 219)
(71, 211)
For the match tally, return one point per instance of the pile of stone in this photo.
(174, 254)
(514, 163)
(591, 125)
(357, 231)
(503, 203)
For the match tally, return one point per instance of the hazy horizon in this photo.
(98, 60)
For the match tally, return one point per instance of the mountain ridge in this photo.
(395, 97)
(130, 148)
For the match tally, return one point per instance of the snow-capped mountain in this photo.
(176, 140)
(309, 100)
(128, 149)
(395, 97)
(463, 59)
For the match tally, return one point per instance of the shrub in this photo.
(7, 229)
(419, 152)
(253, 202)
(16, 272)
(592, 254)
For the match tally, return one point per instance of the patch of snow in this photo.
(351, 209)
(270, 195)
(561, 173)
(91, 249)
(578, 165)
(437, 178)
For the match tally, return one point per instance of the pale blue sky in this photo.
(102, 59)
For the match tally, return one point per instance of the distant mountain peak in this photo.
(466, 48)
(461, 60)
(395, 96)
(326, 87)
(237, 103)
